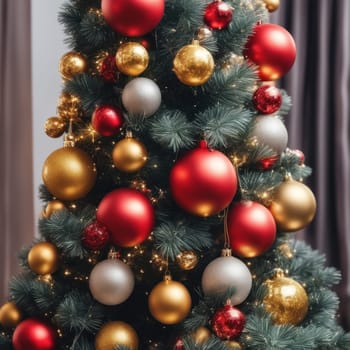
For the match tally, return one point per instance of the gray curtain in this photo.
(318, 124)
(16, 197)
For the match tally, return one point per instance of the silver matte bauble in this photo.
(269, 130)
(224, 273)
(141, 96)
(111, 282)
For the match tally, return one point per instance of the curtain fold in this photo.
(16, 179)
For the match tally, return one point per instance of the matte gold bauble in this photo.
(132, 58)
(193, 64)
(201, 335)
(43, 258)
(114, 334)
(69, 173)
(286, 300)
(72, 63)
(129, 155)
(233, 345)
(68, 106)
(10, 315)
(169, 301)
(52, 207)
(272, 5)
(293, 206)
(55, 127)
(187, 260)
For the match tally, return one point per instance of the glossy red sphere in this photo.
(203, 181)
(33, 334)
(272, 49)
(218, 15)
(251, 228)
(268, 162)
(95, 236)
(133, 17)
(267, 99)
(129, 216)
(107, 120)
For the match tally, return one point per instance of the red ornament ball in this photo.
(203, 181)
(133, 17)
(179, 345)
(108, 70)
(129, 216)
(251, 227)
(107, 120)
(95, 236)
(228, 322)
(300, 155)
(218, 15)
(269, 162)
(272, 49)
(34, 334)
(267, 99)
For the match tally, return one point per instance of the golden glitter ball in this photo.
(233, 345)
(55, 127)
(286, 300)
(272, 5)
(68, 106)
(69, 173)
(201, 335)
(10, 315)
(132, 59)
(72, 63)
(293, 206)
(187, 260)
(169, 302)
(52, 207)
(116, 333)
(193, 64)
(43, 258)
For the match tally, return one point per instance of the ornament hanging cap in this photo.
(69, 139)
(226, 252)
(113, 254)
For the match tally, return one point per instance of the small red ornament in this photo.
(228, 322)
(129, 216)
(133, 17)
(269, 162)
(179, 345)
(300, 155)
(251, 228)
(108, 70)
(267, 99)
(218, 15)
(203, 181)
(272, 48)
(34, 334)
(107, 120)
(95, 236)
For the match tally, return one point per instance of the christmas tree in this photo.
(170, 209)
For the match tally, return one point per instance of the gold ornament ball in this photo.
(52, 207)
(69, 173)
(193, 64)
(129, 155)
(201, 335)
(272, 5)
(293, 206)
(43, 258)
(169, 302)
(10, 315)
(72, 63)
(233, 345)
(132, 58)
(68, 106)
(55, 127)
(116, 333)
(187, 260)
(286, 300)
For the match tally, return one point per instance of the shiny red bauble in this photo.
(129, 216)
(268, 162)
(133, 17)
(203, 181)
(228, 322)
(272, 49)
(33, 334)
(218, 15)
(107, 120)
(267, 99)
(251, 228)
(95, 236)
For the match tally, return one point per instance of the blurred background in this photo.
(31, 44)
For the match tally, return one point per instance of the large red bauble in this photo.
(218, 15)
(228, 322)
(107, 120)
(267, 99)
(34, 334)
(251, 228)
(133, 17)
(129, 216)
(272, 49)
(203, 181)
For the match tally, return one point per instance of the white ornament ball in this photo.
(111, 282)
(141, 96)
(227, 272)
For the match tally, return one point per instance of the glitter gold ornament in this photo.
(286, 300)
(115, 334)
(72, 63)
(52, 207)
(193, 64)
(187, 260)
(43, 258)
(10, 315)
(55, 127)
(233, 345)
(201, 335)
(132, 58)
(272, 5)
(68, 106)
